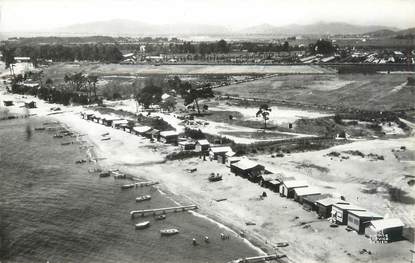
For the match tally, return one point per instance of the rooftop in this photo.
(295, 183)
(365, 214)
(331, 201)
(203, 142)
(141, 129)
(386, 223)
(169, 133)
(349, 207)
(307, 191)
(223, 149)
(245, 164)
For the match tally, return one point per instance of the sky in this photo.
(38, 15)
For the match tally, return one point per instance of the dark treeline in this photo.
(78, 88)
(91, 52)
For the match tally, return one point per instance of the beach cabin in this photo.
(359, 220)
(248, 169)
(96, 118)
(187, 145)
(117, 123)
(214, 152)
(108, 120)
(325, 205)
(153, 134)
(340, 212)
(8, 103)
(202, 146)
(309, 202)
(140, 130)
(287, 188)
(222, 158)
(385, 230)
(301, 192)
(232, 160)
(270, 181)
(30, 105)
(170, 137)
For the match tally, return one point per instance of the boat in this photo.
(66, 143)
(104, 174)
(282, 244)
(143, 198)
(106, 139)
(57, 136)
(169, 232)
(160, 217)
(40, 129)
(142, 225)
(215, 178)
(127, 186)
(105, 134)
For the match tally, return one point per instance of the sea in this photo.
(54, 210)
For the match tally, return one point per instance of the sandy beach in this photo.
(275, 219)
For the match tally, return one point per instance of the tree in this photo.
(192, 94)
(264, 111)
(92, 83)
(324, 47)
(149, 95)
(168, 104)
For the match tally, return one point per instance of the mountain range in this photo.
(123, 27)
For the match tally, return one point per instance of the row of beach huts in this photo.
(340, 211)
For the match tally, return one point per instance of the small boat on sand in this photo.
(142, 225)
(160, 217)
(215, 178)
(105, 174)
(127, 186)
(169, 232)
(66, 143)
(57, 136)
(40, 129)
(143, 198)
(105, 134)
(106, 139)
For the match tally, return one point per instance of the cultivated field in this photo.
(369, 92)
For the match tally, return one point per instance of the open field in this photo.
(117, 69)
(368, 92)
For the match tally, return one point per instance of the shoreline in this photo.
(253, 242)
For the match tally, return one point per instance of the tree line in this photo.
(91, 52)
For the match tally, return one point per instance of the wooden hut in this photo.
(301, 192)
(187, 145)
(325, 205)
(171, 137)
(117, 123)
(359, 220)
(8, 103)
(202, 146)
(140, 130)
(287, 188)
(385, 230)
(309, 202)
(248, 169)
(271, 181)
(108, 120)
(231, 160)
(340, 212)
(214, 152)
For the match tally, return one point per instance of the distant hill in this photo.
(392, 33)
(121, 27)
(381, 33)
(320, 28)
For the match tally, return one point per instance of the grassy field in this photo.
(369, 92)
